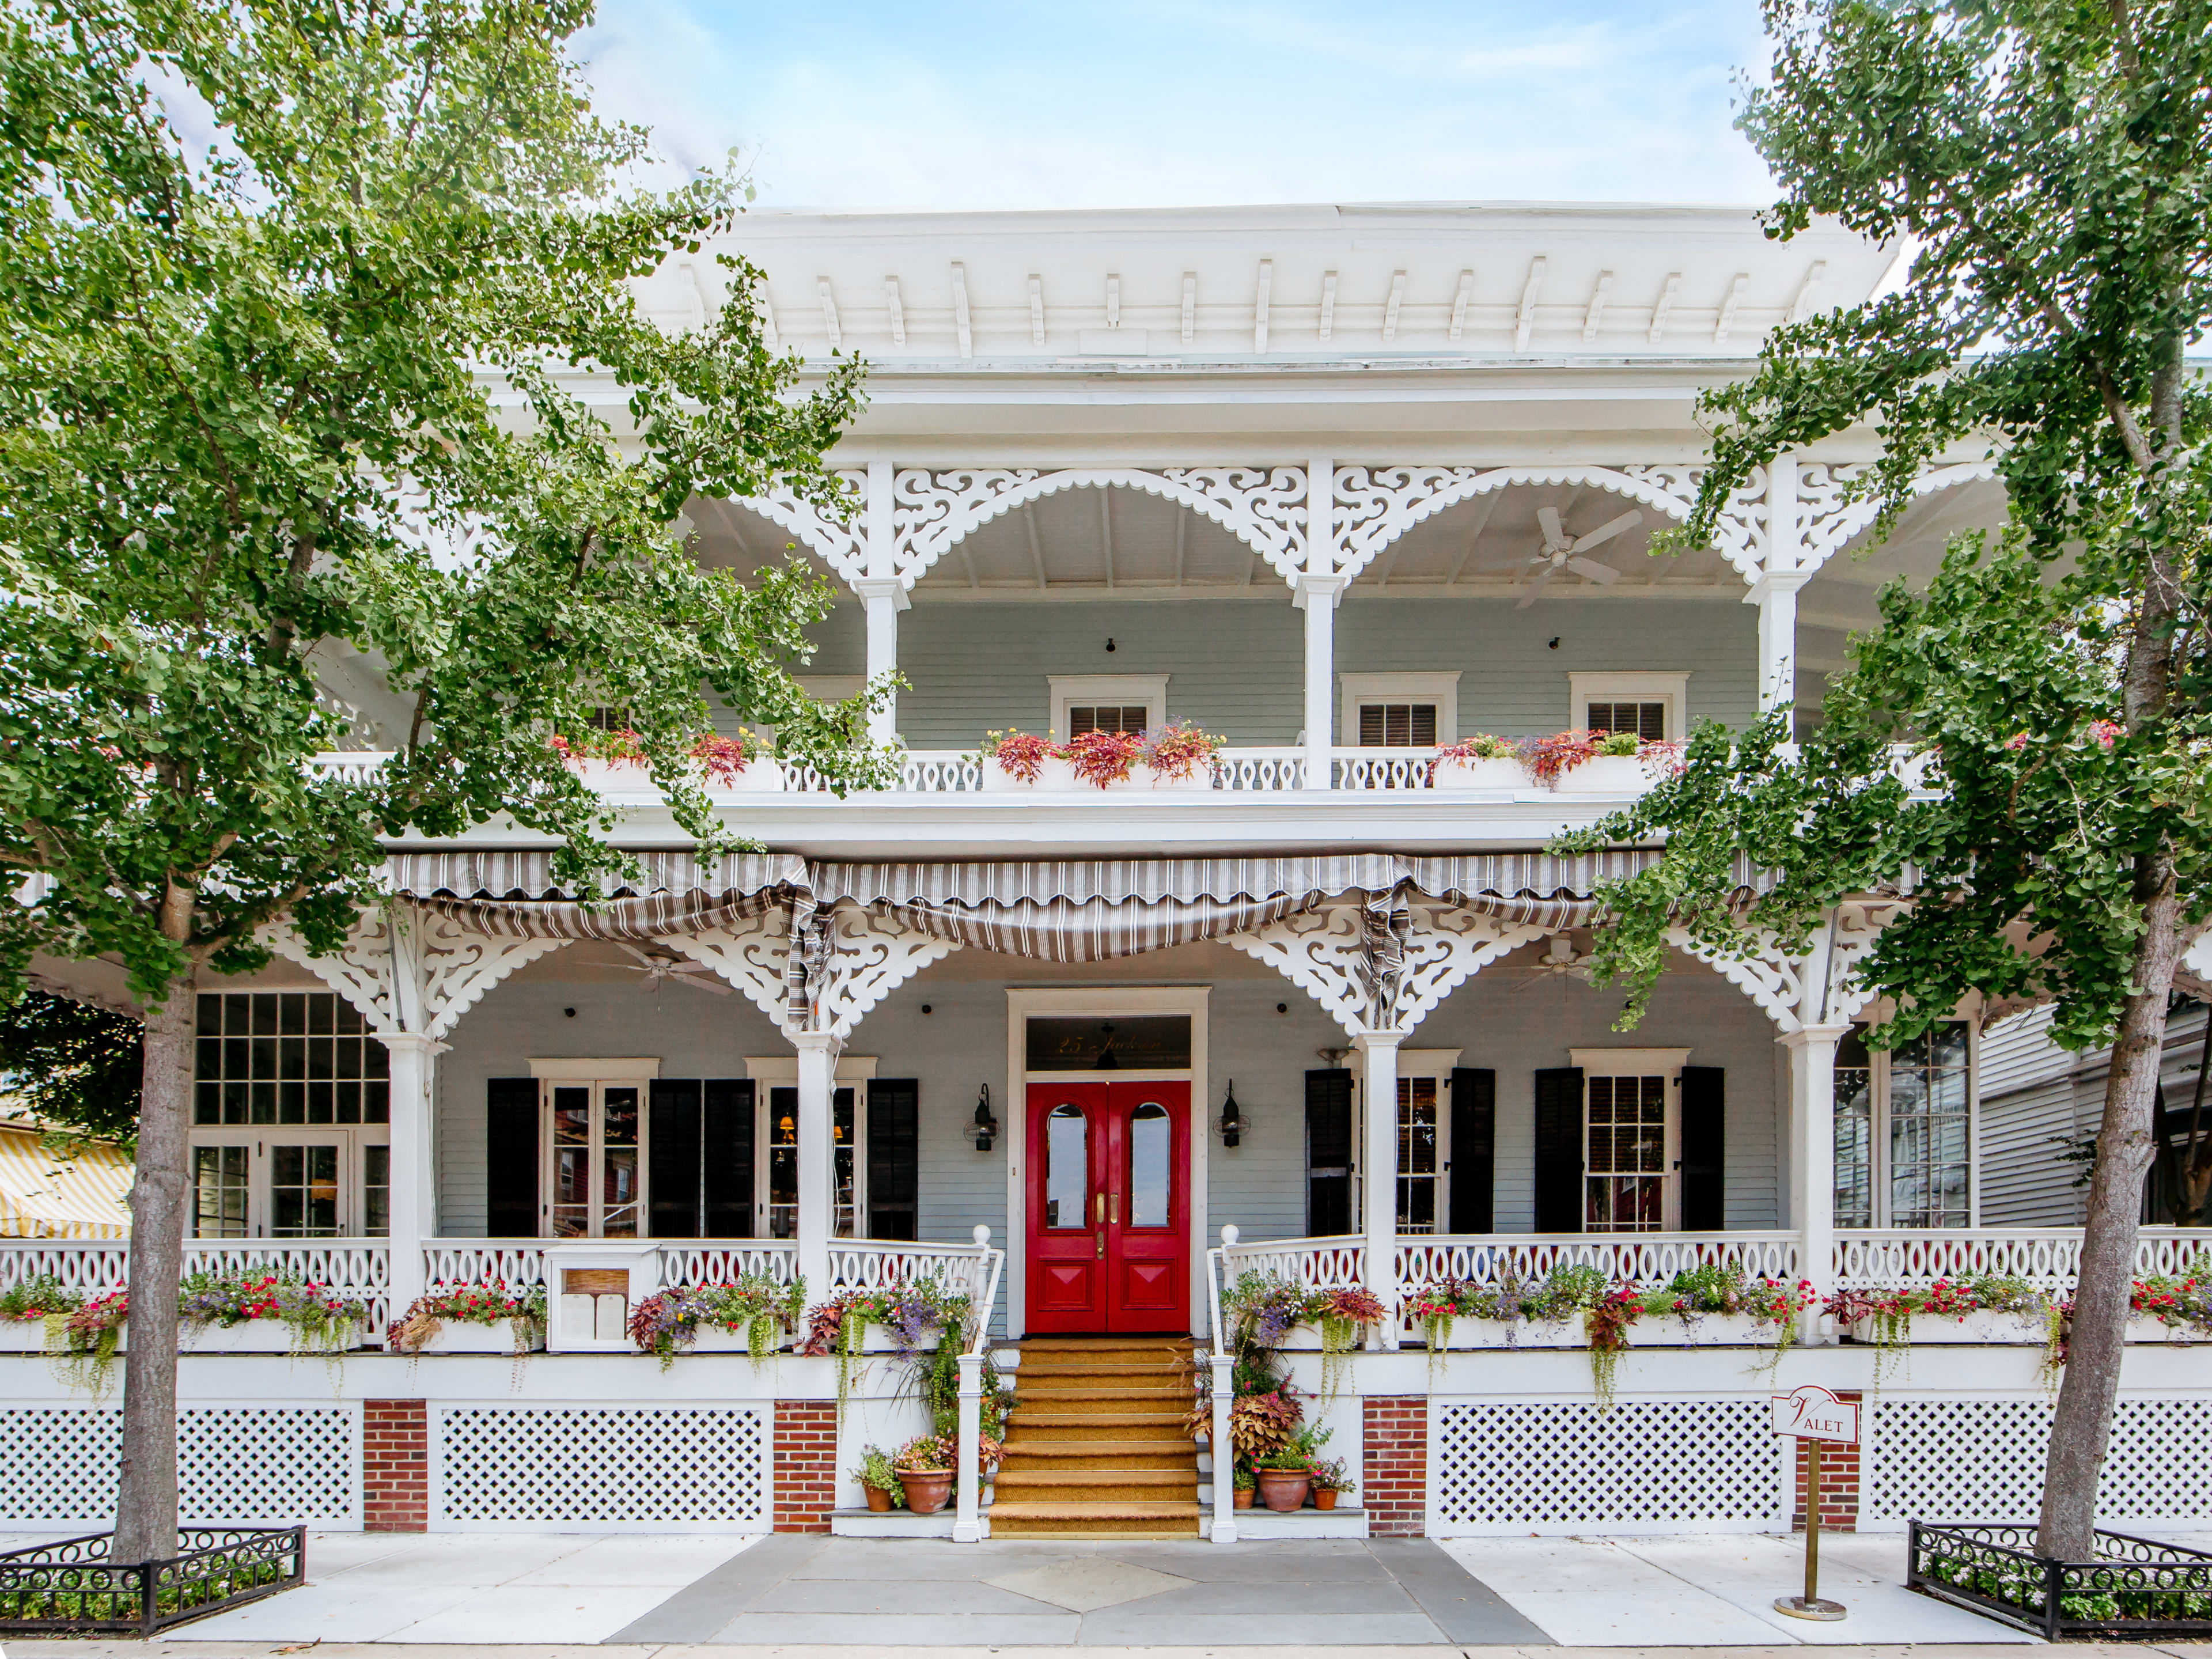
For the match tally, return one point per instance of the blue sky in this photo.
(1165, 102)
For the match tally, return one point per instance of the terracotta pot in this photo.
(879, 1501)
(1283, 1490)
(1324, 1500)
(1244, 1497)
(926, 1489)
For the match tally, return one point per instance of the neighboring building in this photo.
(84, 1195)
(1342, 486)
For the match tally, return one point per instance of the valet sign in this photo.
(1811, 1412)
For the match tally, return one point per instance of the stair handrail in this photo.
(968, 1517)
(1220, 1366)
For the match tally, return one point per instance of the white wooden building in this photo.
(1315, 479)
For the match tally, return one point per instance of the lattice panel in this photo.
(644, 1469)
(1981, 1460)
(1650, 1466)
(236, 1464)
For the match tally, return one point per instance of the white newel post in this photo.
(883, 594)
(1813, 1158)
(1223, 1449)
(818, 1069)
(413, 1200)
(968, 1523)
(1379, 1187)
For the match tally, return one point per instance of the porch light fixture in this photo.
(986, 1126)
(1232, 1118)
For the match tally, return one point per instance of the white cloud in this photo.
(1144, 102)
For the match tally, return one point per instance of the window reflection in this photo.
(1150, 1160)
(1067, 1167)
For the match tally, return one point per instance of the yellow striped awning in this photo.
(45, 1197)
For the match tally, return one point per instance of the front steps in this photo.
(1096, 1448)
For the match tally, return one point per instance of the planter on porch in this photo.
(721, 1339)
(2142, 1328)
(461, 1336)
(263, 1336)
(1984, 1325)
(1198, 780)
(1053, 773)
(1618, 775)
(1468, 1335)
(762, 776)
(1715, 1330)
(1499, 773)
(23, 1335)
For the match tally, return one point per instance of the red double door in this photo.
(1109, 1207)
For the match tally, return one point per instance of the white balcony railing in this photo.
(2047, 1256)
(355, 1269)
(877, 1264)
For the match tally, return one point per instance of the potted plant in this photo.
(751, 1317)
(924, 1467)
(879, 1481)
(263, 1313)
(1103, 759)
(25, 1308)
(909, 1320)
(1283, 1477)
(1177, 756)
(1590, 763)
(1480, 761)
(1021, 760)
(1241, 1479)
(479, 1318)
(1330, 1481)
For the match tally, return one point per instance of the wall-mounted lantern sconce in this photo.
(986, 1126)
(1232, 1118)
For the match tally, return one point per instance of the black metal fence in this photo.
(2135, 1590)
(72, 1588)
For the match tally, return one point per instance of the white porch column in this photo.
(883, 595)
(1221, 1373)
(1315, 593)
(1379, 1184)
(1813, 1158)
(818, 1071)
(413, 1200)
(1775, 592)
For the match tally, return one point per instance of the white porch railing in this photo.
(725, 1261)
(2048, 1256)
(880, 1264)
(1633, 1258)
(356, 1269)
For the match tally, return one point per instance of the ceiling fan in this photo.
(1563, 552)
(661, 966)
(1560, 962)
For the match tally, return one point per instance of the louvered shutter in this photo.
(726, 1171)
(1328, 1153)
(894, 1157)
(511, 1157)
(1705, 1148)
(672, 1191)
(1474, 1148)
(1559, 1183)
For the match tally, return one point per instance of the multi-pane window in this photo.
(1084, 717)
(1397, 725)
(1417, 1158)
(782, 1164)
(1904, 1130)
(595, 1146)
(221, 1186)
(303, 1191)
(288, 1057)
(1625, 1155)
(1647, 719)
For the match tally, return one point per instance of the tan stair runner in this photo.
(1096, 1447)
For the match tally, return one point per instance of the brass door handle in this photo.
(1117, 1209)
(1099, 1210)
(1102, 1247)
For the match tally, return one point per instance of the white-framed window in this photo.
(291, 1111)
(1632, 1134)
(1904, 1130)
(1652, 705)
(776, 1119)
(1398, 711)
(1107, 702)
(593, 1146)
(1424, 1136)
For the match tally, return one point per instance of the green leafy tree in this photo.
(74, 1065)
(2049, 161)
(289, 294)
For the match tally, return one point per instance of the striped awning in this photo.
(1057, 910)
(41, 1196)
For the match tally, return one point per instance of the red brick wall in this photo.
(1839, 1481)
(805, 1461)
(395, 1449)
(1394, 1486)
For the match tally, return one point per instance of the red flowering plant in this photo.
(1479, 747)
(37, 1297)
(1021, 754)
(321, 1321)
(1549, 759)
(2180, 1302)
(85, 1341)
(487, 1303)
(1104, 757)
(722, 759)
(1175, 751)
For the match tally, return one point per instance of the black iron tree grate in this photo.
(2135, 1590)
(72, 1588)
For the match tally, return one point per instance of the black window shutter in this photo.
(1328, 1153)
(727, 1177)
(1705, 1148)
(1559, 1150)
(894, 1134)
(672, 1189)
(1474, 1147)
(511, 1157)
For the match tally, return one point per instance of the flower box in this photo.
(29, 1335)
(1053, 773)
(2142, 1328)
(1616, 776)
(1467, 1333)
(1502, 772)
(258, 1336)
(1928, 1330)
(761, 776)
(465, 1336)
(720, 1338)
(1716, 1330)
(1199, 778)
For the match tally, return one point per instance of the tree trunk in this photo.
(2082, 1426)
(146, 1490)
